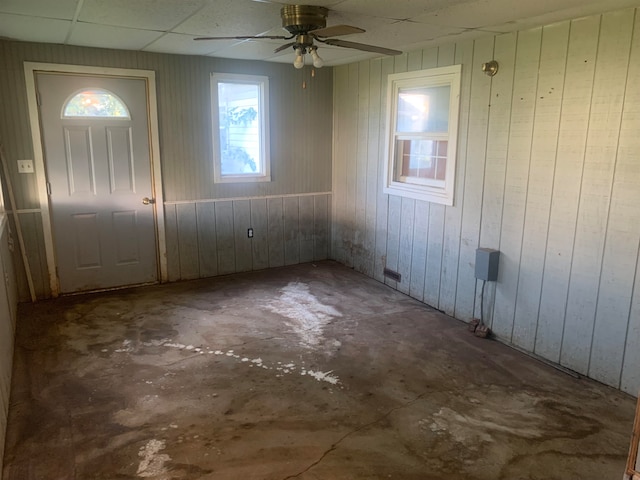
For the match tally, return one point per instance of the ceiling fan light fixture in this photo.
(298, 62)
(317, 61)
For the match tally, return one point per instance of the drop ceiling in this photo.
(170, 26)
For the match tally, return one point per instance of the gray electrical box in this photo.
(487, 264)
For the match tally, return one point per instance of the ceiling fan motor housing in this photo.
(300, 19)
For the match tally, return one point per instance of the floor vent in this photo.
(392, 275)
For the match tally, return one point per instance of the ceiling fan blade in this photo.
(336, 31)
(361, 46)
(284, 47)
(245, 37)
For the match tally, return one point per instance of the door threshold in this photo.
(110, 289)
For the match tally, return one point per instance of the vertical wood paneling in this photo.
(188, 241)
(260, 242)
(243, 245)
(8, 308)
(275, 233)
(496, 155)
(407, 219)
(434, 218)
(207, 246)
(419, 250)
(320, 227)
(225, 238)
(291, 231)
(519, 154)
(374, 154)
(306, 219)
(393, 236)
(472, 155)
(360, 255)
(351, 119)
(572, 137)
(630, 375)
(434, 256)
(453, 215)
(171, 232)
(341, 139)
(623, 222)
(382, 200)
(625, 195)
(604, 127)
(540, 187)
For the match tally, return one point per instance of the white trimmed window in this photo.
(240, 131)
(422, 134)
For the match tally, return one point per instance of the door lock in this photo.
(147, 200)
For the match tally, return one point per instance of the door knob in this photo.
(147, 200)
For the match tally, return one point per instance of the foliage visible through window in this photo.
(95, 103)
(240, 102)
(423, 120)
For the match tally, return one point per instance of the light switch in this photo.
(25, 166)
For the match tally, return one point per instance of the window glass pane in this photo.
(239, 110)
(95, 103)
(424, 109)
(421, 159)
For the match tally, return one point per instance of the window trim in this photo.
(265, 162)
(435, 191)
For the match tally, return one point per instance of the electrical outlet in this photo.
(250, 233)
(25, 166)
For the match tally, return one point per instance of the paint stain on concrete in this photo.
(153, 462)
(307, 316)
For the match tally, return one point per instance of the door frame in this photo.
(149, 76)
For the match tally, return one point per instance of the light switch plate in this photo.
(25, 166)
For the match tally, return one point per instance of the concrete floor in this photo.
(306, 372)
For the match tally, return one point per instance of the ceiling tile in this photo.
(397, 10)
(233, 17)
(485, 13)
(111, 37)
(62, 9)
(179, 43)
(249, 50)
(397, 34)
(144, 14)
(32, 29)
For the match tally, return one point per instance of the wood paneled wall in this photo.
(8, 308)
(300, 129)
(548, 172)
(210, 238)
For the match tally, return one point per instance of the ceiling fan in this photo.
(306, 24)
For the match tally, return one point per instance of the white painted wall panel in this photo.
(210, 238)
(609, 85)
(516, 178)
(540, 182)
(572, 137)
(547, 172)
(476, 88)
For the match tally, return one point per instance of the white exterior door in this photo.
(95, 133)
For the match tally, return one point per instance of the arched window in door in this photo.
(95, 102)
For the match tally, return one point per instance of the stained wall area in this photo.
(290, 215)
(548, 172)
